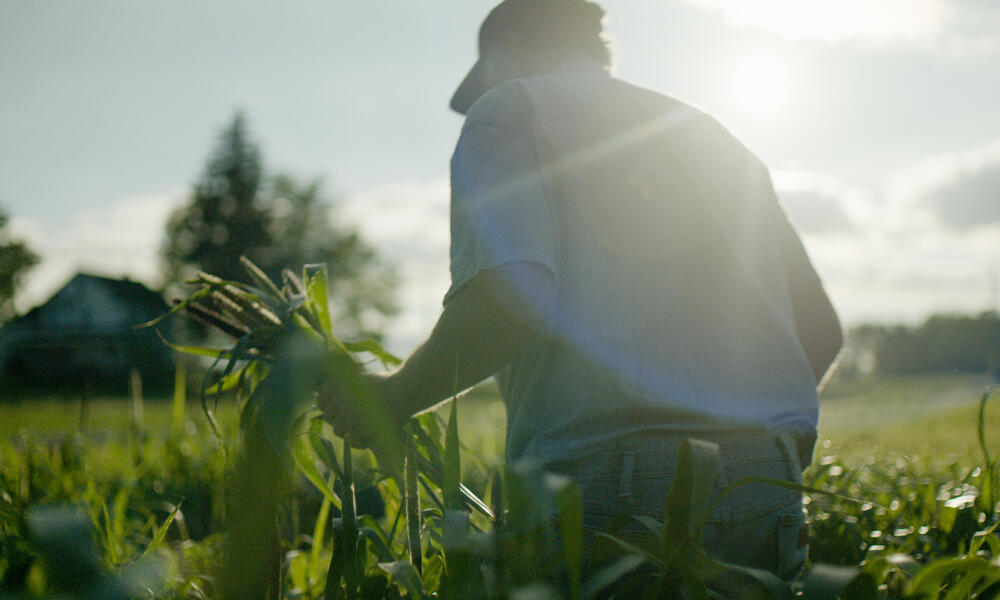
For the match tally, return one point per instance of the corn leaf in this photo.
(929, 580)
(569, 511)
(161, 531)
(411, 499)
(777, 589)
(375, 349)
(689, 493)
(371, 530)
(474, 501)
(319, 531)
(198, 350)
(452, 462)
(261, 279)
(828, 582)
(316, 291)
(323, 448)
(348, 508)
(176, 308)
(406, 576)
(304, 461)
(110, 542)
(609, 575)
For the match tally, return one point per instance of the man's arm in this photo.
(816, 321)
(818, 327)
(491, 319)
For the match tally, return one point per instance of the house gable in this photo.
(86, 331)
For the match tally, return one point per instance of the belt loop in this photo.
(628, 465)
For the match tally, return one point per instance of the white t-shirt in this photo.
(670, 256)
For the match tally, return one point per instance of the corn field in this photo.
(275, 506)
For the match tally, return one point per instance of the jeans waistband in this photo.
(737, 443)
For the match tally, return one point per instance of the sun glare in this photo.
(759, 84)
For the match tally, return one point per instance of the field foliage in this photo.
(253, 496)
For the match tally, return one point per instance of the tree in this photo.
(942, 343)
(16, 259)
(235, 210)
(225, 217)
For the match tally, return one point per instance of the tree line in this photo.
(942, 343)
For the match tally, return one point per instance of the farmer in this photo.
(620, 263)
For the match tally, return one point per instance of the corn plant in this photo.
(284, 353)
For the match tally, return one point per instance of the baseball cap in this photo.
(509, 14)
(470, 90)
(559, 22)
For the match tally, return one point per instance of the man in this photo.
(622, 265)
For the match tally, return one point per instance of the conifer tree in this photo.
(236, 210)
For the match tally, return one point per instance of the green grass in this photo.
(944, 438)
(932, 417)
(928, 416)
(54, 415)
(127, 488)
(51, 416)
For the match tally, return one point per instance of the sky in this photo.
(879, 121)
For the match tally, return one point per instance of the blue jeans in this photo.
(756, 525)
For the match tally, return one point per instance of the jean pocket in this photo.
(793, 545)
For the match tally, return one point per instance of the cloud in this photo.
(970, 199)
(960, 191)
(880, 20)
(926, 242)
(872, 276)
(403, 218)
(119, 240)
(408, 223)
(895, 261)
(821, 204)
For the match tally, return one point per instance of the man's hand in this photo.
(363, 409)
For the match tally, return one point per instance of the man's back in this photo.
(669, 253)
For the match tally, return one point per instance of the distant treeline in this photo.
(943, 343)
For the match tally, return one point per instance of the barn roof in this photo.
(125, 292)
(86, 331)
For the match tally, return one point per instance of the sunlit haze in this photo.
(835, 19)
(760, 84)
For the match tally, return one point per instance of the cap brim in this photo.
(470, 90)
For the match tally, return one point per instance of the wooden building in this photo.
(85, 335)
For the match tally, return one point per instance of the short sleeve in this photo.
(500, 211)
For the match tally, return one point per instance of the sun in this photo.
(759, 84)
